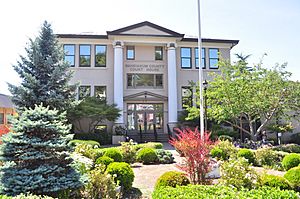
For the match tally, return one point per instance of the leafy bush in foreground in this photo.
(269, 158)
(104, 160)
(275, 181)
(147, 156)
(247, 154)
(164, 157)
(124, 173)
(224, 149)
(290, 161)
(172, 179)
(221, 192)
(293, 176)
(114, 153)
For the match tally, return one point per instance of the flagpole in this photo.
(200, 73)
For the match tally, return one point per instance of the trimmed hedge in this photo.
(290, 161)
(275, 181)
(247, 154)
(147, 156)
(104, 160)
(293, 176)
(153, 145)
(114, 153)
(92, 143)
(221, 192)
(289, 148)
(123, 172)
(172, 179)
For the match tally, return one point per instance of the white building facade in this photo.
(144, 68)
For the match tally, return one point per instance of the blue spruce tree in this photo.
(44, 73)
(35, 154)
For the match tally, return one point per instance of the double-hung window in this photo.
(85, 55)
(202, 58)
(186, 57)
(130, 53)
(213, 58)
(100, 56)
(158, 53)
(69, 50)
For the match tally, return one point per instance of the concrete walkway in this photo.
(146, 175)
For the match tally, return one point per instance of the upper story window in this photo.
(158, 53)
(186, 57)
(202, 58)
(84, 91)
(100, 92)
(85, 55)
(145, 80)
(100, 56)
(130, 53)
(213, 58)
(69, 50)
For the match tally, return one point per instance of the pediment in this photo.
(145, 29)
(145, 96)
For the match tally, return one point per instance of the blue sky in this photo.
(262, 26)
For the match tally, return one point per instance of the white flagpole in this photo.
(200, 73)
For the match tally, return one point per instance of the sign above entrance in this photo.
(145, 67)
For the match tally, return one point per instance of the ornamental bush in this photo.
(164, 157)
(293, 176)
(114, 153)
(100, 185)
(172, 179)
(124, 174)
(128, 151)
(269, 158)
(290, 161)
(36, 157)
(289, 148)
(218, 153)
(153, 145)
(221, 192)
(247, 154)
(227, 149)
(275, 181)
(238, 173)
(104, 160)
(93, 143)
(147, 156)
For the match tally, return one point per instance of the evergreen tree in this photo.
(44, 74)
(35, 155)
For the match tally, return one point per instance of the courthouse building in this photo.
(144, 68)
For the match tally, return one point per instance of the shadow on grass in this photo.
(133, 193)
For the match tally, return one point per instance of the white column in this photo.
(172, 84)
(118, 79)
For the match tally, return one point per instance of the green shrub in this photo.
(247, 154)
(216, 152)
(114, 153)
(147, 156)
(225, 137)
(237, 173)
(289, 148)
(164, 157)
(275, 181)
(81, 163)
(88, 151)
(221, 192)
(100, 185)
(102, 137)
(104, 160)
(269, 158)
(293, 176)
(172, 179)
(124, 173)
(128, 151)
(290, 161)
(153, 145)
(227, 148)
(93, 143)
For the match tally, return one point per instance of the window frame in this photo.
(105, 91)
(190, 97)
(190, 58)
(162, 53)
(202, 58)
(210, 66)
(127, 49)
(73, 55)
(79, 91)
(134, 86)
(2, 121)
(97, 65)
(85, 55)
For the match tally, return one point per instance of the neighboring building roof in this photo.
(5, 101)
(169, 33)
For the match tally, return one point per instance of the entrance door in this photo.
(144, 117)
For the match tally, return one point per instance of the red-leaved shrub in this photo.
(195, 150)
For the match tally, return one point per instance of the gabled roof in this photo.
(5, 101)
(122, 31)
